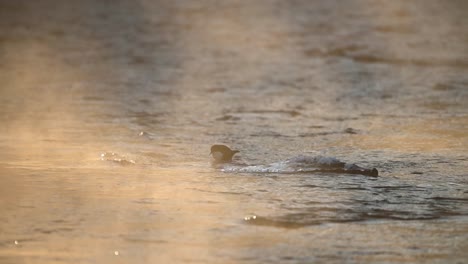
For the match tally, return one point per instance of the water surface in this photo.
(108, 111)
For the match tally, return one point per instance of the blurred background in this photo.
(108, 110)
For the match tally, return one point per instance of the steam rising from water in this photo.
(151, 85)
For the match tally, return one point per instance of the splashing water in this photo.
(152, 84)
(301, 164)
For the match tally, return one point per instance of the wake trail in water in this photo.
(303, 164)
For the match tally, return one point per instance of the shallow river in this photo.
(108, 110)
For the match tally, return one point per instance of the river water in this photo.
(108, 110)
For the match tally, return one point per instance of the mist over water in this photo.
(108, 110)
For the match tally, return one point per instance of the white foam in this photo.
(314, 160)
(296, 164)
(279, 167)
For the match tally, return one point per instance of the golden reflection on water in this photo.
(61, 203)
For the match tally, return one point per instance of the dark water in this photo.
(108, 110)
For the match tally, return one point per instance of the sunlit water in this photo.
(109, 108)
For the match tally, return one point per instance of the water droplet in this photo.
(116, 253)
(250, 217)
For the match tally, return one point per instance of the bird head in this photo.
(222, 153)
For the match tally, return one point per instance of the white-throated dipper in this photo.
(222, 153)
